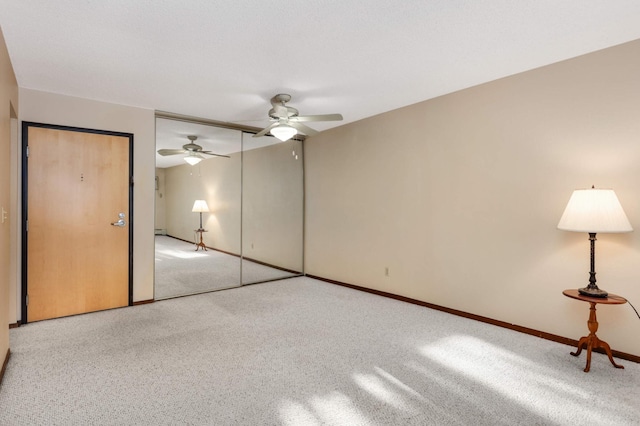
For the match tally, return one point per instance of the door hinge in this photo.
(27, 300)
(27, 226)
(131, 181)
(27, 151)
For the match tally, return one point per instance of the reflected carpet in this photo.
(181, 270)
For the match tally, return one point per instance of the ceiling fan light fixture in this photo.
(283, 132)
(288, 121)
(193, 159)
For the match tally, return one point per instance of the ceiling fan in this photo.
(193, 150)
(286, 121)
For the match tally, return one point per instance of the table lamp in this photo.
(592, 211)
(200, 206)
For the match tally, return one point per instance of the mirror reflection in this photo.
(272, 210)
(194, 256)
(229, 208)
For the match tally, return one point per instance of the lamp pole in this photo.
(592, 289)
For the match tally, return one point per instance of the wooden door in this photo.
(78, 182)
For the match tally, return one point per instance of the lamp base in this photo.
(593, 292)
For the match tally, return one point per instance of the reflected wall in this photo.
(217, 181)
(272, 210)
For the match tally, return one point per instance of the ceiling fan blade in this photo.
(302, 128)
(171, 151)
(211, 153)
(321, 117)
(265, 130)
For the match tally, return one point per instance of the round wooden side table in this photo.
(200, 243)
(592, 341)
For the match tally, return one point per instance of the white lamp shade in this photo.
(594, 210)
(200, 206)
(283, 132)
(193, 159)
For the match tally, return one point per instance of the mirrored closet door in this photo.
(198, 208)
(272, 209)
(225, 220)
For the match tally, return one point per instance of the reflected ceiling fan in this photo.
(286, 121)
(193, 150)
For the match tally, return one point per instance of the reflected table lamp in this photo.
(198, 207)
(592, 211)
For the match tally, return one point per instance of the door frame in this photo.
(25, 216)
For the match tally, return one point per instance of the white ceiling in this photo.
(224, 60)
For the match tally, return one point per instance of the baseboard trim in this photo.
(143, 302)
(515, 327)
(14, 325)
(259, 262)
(4, 365)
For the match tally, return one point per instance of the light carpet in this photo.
(181, 270)
(302, 352)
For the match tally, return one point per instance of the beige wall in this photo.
(63, 110)
(8, 99)
(15, 256)
(460, 196)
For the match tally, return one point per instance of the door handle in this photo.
(120, 221)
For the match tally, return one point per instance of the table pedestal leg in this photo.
(201, 244)
(592, 341)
